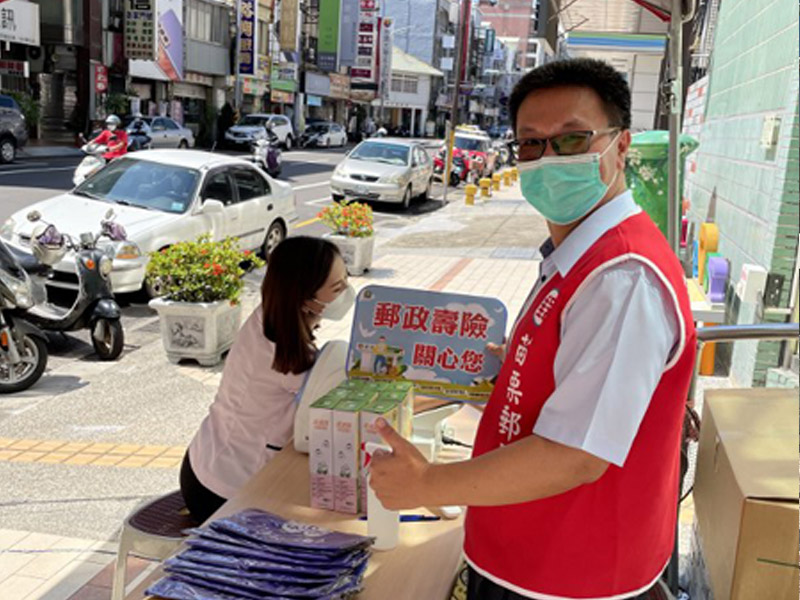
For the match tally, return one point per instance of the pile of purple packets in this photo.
(255, 554)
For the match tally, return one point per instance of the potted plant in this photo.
(351, 231)
(199, 283)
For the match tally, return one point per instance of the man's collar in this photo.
(587, 233)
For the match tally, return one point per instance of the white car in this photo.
(162, 197)
(323, 134)
(163, 132)
(251, 128)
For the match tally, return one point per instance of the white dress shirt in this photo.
(617, 336)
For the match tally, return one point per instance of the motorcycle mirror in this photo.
(110, 214)
(34, 216)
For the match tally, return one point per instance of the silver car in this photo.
(13, 129)
(163, 132)
(384, 170)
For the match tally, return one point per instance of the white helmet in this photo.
(48, 245)
(113, 120)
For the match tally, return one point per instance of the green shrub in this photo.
(200, 271)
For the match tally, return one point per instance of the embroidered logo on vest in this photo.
(544, 308)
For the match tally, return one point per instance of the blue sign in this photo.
(247, 37)
(312, 100)
(434, 339)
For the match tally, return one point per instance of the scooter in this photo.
(458, 169)
(139, 140)
(94, 308)
(23, 346)
(91, 163)
(267, 155)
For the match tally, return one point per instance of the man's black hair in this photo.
(605, 80)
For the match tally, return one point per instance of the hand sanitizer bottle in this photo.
(382, 523)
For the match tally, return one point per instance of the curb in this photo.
(49, 152)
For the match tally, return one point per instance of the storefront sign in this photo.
(363, 73)
(385, 57)
(100, 78)
(348, 30)
(15, 68)
(434, 339)
(264, 68)
(312, 100)
(170, 38)
(288, 25)
(318, 85)
(19, 22)
(362, 96)
(328, 41)
(140, 24)
(253, 86)
(340, 86)
(247, 37)
(284, 77)
(281, 97)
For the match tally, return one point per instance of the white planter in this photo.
(200, 331)
(357, 252)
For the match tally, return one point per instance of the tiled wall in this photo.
(753, 75)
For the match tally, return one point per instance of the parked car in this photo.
(162, 131)
(250, 128)
(476, 146)
(162, 197)
(13, 129)
(384, 169)
(323, 134)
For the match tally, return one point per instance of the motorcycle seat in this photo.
(29, 262)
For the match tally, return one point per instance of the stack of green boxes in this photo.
(341, 423)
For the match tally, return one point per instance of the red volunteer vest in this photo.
(613, 537)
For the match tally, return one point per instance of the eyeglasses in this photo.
(565, 144)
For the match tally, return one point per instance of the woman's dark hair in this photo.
(605, 80)
(297, 268)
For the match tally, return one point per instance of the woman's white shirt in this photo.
(251, 418)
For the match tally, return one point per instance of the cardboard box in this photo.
(346, 452)
(402, 392)
(746, 493)
(389, 410)
(320, 451)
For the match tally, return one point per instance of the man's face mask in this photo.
(565, 188)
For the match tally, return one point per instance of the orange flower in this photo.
(204, 251)
(247, 252)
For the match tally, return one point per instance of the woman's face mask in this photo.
(336, 309)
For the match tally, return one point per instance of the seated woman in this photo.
(252, 416)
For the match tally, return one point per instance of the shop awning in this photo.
(405, 63)
(146, 69)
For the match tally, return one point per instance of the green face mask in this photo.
(564, 188)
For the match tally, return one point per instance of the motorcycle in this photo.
(458, 169)
(94, 308)
(267, 155)
(23, 346)
(139, 140)
(91, 163)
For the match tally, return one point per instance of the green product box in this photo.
(346, 451)
(389, 410)
(320, 451)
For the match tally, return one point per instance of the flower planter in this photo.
(356, 251)
(199, 331)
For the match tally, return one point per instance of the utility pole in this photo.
(461, 38)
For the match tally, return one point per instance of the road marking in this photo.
(49, 169)
(308, 186)
(90, 453)
(307, 223)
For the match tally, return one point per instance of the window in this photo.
(263, 37)
(218, 187)
(406, 84)
(250, 184)
(159, 124)
(170, 124)
(6, 102)
(207, 22)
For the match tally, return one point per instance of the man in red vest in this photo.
(573, 482)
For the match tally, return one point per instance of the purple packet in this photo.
(252, 564)
(177, 587)
(267, 528)
(313, 555)
(290, 558)
(177, 564)
(345, 584)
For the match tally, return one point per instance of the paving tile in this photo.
(24, 444)
(27, 457)
(48, 446)
(135, 566)
(98, 448)
(91, 592)
(8, 454)
(74, 447)
(18, 587)
(5, 442)
(80, 459)
(55, 457)
(175, 451)
(9, 537)
(68, 581)
(107, 460)
(60, 554)
(124, 449)
(164, 462)
(151, 450)
(135, 461)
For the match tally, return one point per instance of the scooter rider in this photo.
(113, 137)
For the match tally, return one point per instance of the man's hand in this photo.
(398, 478)
(498, 350)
